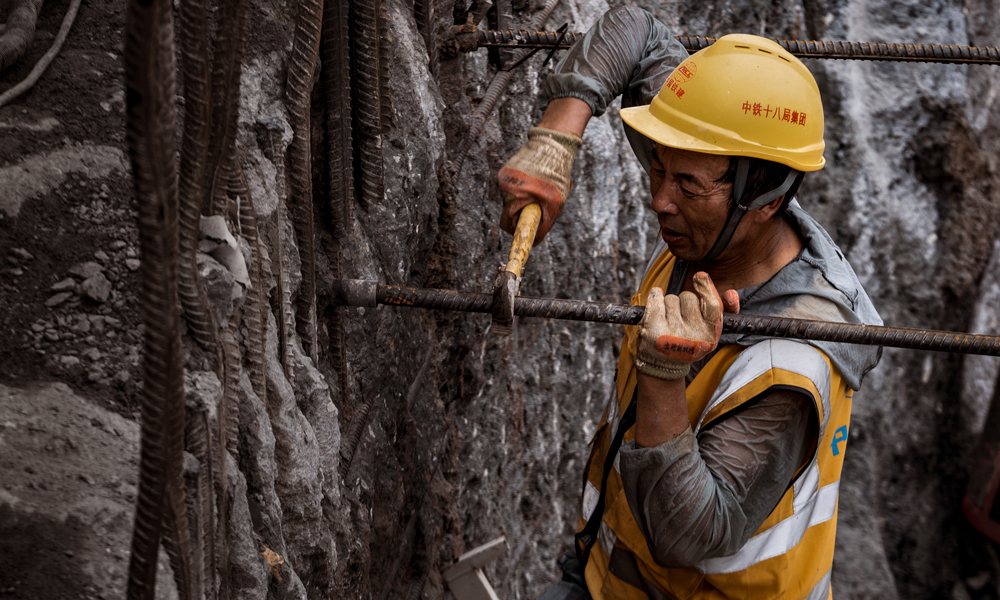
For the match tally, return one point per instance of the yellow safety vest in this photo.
(791, 554)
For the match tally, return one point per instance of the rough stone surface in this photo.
(68, 473)
(35, 175)
(57, 299)
(66, 284)
(97, 288)
(86, 270)
(218, 284)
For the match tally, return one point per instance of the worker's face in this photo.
(690, 203)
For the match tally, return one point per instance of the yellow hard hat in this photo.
(742, 96)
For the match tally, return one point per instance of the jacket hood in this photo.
(819, 284)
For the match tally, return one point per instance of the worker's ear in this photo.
(768, 210)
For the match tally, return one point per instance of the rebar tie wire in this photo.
(354, 292)
(561, 34)
(981, 55)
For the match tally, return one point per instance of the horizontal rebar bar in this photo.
(982, 55)
(368, 293)
(520, 39)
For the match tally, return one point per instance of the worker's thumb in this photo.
(656, 312)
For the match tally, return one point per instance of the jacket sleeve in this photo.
(626, 52)
(702, 498)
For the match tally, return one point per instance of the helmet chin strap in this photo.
(739, 210)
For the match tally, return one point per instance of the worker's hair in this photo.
(762, 177)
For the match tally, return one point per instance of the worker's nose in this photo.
(664, 198)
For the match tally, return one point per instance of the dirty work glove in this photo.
(678, 330)
(539, 172)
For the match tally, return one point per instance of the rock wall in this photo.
(447, 436)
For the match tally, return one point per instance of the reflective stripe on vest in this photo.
(760, 358)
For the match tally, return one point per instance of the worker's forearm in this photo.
(566, 115)
(661, 413)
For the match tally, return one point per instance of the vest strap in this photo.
(588, 536)
(677, 277)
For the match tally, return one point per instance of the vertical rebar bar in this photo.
(194, 156)
(273, 133)
(368, 106)
(340, 158)
(495, 90)
(254, 307)
(225, 97)
(150, 131)
(301, 70)
(423, 14)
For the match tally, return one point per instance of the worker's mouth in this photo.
(670, 236)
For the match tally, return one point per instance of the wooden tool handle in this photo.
(524, 237)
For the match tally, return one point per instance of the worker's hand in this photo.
(539, 172)
(678, 330)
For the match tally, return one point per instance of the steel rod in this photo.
(369, 293)
(982, 55)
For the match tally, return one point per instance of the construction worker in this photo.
(714, 472)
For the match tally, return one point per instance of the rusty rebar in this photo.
(495, 90)
(867, 335)
(256, 302)
(423, 14)
(301, 70)
(368, 103)
(874, 51)
(362, 293)
(470, 42)
(355, 430)
(983, 55)
(337, 83)
(548, 308)
(201, 502)
(337, 86)
(150, 132)
(193, 15)
(273, 132)
(227, 61)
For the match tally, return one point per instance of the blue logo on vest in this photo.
(840, 435)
